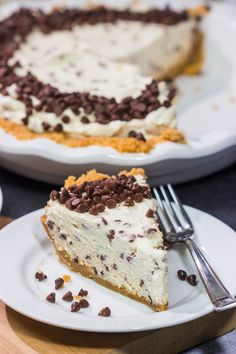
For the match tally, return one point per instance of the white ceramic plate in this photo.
(29, 249)
(206, 114)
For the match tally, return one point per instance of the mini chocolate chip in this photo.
(40, 276)
(88, 257)
(138, 197)
(166, 103)
(50, 224)
(122, 255)
(76, 259)
(105, 312)
(81, 208)
(54, 195)
(100, 208)
(129, 202)
(102, 257)
(25, 120)
(51, 298)
(150, 213)
(63, 236)
(104, 220)
(97, 199)
(93, 210)
(65, 119)
(111, 235)
(85, 120)
(46, 126)
(114, 266)
(83, 292)
(75, 306)
(141, 283)
(75, 202)
(58, 128)
(111, 203)
(151, 230)
(84, 303)
(128, 258)
(59, 283)
(192, 279)
(182, 274)
(68, 296)
(62, 198)
(140, 137)
(95, 270)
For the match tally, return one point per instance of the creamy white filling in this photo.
(128, 261)
(103, 59)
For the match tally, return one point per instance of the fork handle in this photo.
(219, 295)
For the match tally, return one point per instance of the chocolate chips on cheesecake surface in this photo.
(94, 196)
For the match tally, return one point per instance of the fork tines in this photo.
(171, 213)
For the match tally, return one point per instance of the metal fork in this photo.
(177, 227)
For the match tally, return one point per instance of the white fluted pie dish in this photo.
(206, 114)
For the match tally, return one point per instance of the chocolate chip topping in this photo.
(95, 196)
(51, 298)
(83, 292)
(54, 195)
(105, 312)
(68, 296)
(59, 282)
(14, 30)
(84, 303)
(40, 276)
(75, 306)
(150, 213)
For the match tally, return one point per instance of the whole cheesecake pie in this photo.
(105, 228)
(94, 76)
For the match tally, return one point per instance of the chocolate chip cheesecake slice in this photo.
(105, 228)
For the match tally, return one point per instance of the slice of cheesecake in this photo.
(105, 228)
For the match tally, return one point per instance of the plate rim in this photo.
(105, 323)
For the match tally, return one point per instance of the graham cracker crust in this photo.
(121, 144)
(87, 272)
(93, 175)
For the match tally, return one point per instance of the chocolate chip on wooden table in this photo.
(68, 296)
(40, 276)
(105, 312)
(75, 306)
(59, 282)
(51, 298)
